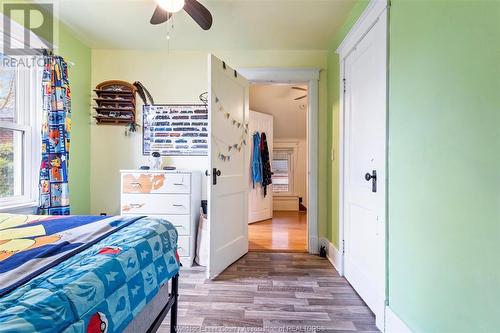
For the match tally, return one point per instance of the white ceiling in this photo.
(290, 116)
(238, 24)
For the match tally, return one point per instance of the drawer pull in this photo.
(136, 205)
(179, 226)
(177, 205)
(179, 184)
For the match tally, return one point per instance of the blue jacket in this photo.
(256, 160)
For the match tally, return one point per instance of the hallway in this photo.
(285, 232)
(271, 292)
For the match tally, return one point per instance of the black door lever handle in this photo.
(373, 178)
(216, 173)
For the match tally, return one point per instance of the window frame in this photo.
(290, 147)
(289, 154)
(28, 120)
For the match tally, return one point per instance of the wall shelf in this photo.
(114, 100)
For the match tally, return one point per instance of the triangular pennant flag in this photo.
(216, 99)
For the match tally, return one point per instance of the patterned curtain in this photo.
(56, 127)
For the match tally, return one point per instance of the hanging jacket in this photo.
(266, 163)
(256, 160)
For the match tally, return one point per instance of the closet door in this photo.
(228, 169)
(260, 206)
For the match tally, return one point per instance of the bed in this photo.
(89, 274)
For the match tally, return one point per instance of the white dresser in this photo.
(172, 195)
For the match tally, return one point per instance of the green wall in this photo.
(444, 162)
(79, 75)
(444, 165)
(333, 79)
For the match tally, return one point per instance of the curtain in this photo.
(56, 127)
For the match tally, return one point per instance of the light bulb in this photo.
(171, 6)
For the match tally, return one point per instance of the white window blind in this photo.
(282, 171)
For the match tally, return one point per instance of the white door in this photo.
(260, 207)
(228, 162)
(365, 154)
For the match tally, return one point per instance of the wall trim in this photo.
(393, 324)
(333, 255)
(364, 23)
(300, 75)
(280, 75)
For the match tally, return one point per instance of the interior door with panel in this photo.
(260, 206)
(364, 167)
(228, 166)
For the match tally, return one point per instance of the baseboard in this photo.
(333, 255)
(393, 324)
(313, 245)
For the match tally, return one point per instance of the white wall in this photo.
(278, 100)
(175, 77)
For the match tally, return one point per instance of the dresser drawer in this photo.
(152, 182)
(183, 246)
(181, 222)
(155, 204)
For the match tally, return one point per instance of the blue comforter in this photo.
(101, 288)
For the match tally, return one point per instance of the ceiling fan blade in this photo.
(301, 97)
(199, 13)
(160, 15)
(299, 88)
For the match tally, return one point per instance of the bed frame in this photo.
(170, 306)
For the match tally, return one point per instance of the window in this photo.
(19, 132)
(282, 171)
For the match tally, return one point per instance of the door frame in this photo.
(372, 14)
(309, 76)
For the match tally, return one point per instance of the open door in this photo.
(261, 207)
(228, 165)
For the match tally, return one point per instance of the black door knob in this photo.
(373, 178)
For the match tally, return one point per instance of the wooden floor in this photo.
(285, 232)
(271, 292)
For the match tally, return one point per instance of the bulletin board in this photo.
(175, 129)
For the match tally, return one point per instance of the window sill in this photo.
(285, 194)
(21, 208)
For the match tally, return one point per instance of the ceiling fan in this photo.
(165, 8)
(300, 89)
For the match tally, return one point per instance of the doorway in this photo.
(278, 132)
(228, 172)
(308, 77)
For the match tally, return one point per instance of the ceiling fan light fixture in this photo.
(171, 6)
